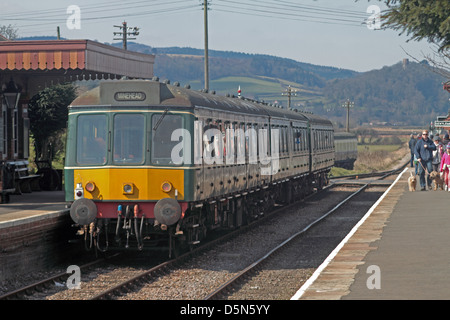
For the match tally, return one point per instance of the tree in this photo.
(48, 116)
(9, 32)
(423, 19)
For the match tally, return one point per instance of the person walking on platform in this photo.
(446, 139)
(424, 154)
(437, 154)
(412, 143)
(445, 167)
(416, 163)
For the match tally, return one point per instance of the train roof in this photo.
(154, 93)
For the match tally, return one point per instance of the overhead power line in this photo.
(45, 20)
(288, 10)
(97, 13)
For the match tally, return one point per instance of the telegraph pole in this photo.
(205, 18)
(289, 92)
(125, 33)
(348, 105)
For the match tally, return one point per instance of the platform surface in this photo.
(400, 251)
(33, 205)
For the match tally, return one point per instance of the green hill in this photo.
(408, 94)
(402, 94)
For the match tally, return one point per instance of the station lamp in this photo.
(11, 94)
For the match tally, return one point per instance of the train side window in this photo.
(318, 140)
(280, 139)
(306, 145)
(198, 147)
(285, 140)
(223, 140)
(229, 145)
(302, 139)
(251, 138)
(294, 146)
(129, 133)
(212, 143)
(240, 143)
(263, 144)
(314, 148)
(163, 125)
(328, 140)
(92, 139)
(296, 136)
(322, 140)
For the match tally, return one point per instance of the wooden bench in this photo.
(24, 181)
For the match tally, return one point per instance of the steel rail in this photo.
(29, 289)
(122, 287)
(227, 285)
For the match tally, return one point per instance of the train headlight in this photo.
(128, 188)
(90, 186)
(166, 186)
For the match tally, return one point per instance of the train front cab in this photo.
(120, 174)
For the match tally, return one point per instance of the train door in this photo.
(228, 169)
(234, 164)
(251, 154)
(199, 185)
(241, 169)
(202, 150)
(213, 131)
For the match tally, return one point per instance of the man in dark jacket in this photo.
(412, 144)
(424, 154)
(446, 139)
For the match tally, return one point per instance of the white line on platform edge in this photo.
(324, 264)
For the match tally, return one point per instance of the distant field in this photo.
(262, 88)
(373, 148)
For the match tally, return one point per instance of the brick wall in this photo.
(34, 243)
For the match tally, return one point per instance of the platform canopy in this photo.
(27, 67)
(39, 63)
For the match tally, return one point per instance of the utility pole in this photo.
(289, 92)
(125, 33)
(205, 18)
(348, 105)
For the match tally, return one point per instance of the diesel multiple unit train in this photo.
(150, 164)
(345, 150)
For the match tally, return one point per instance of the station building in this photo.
(27, 67)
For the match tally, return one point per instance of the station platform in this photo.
(32, 206)
(400, 250)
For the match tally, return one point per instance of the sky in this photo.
(323, 32)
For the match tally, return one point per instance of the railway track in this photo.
(46, 283)
(228, 287)
(135, 279)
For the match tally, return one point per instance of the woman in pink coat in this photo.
(445, 166)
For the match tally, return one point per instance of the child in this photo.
(445, 166)
(437, 154)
